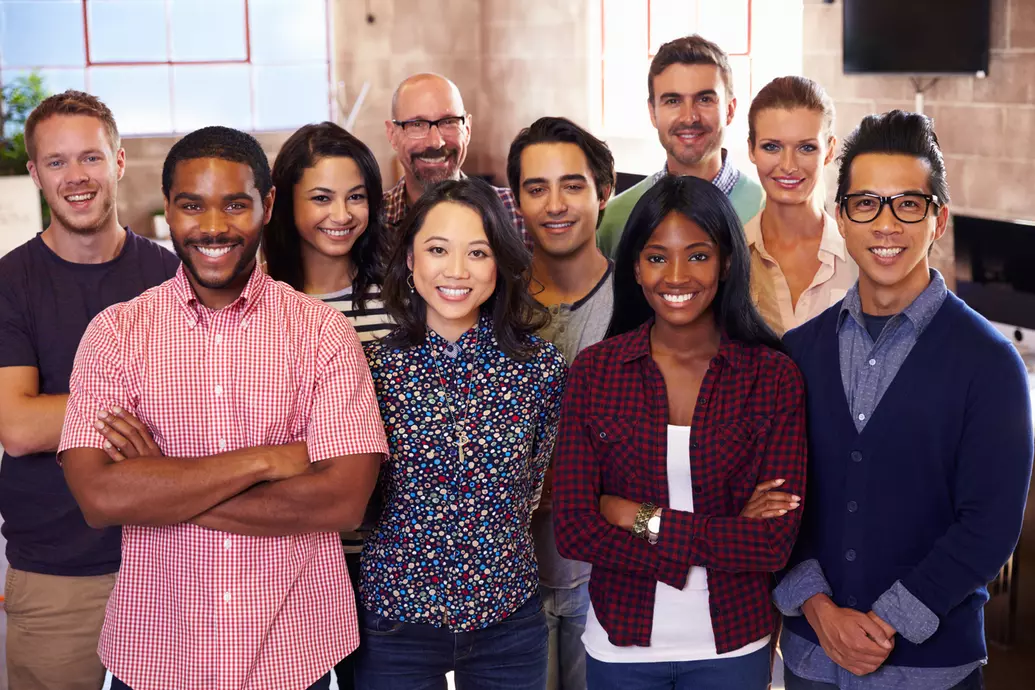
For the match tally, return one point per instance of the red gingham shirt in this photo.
(397, 204)
(748, 426)
(198, 609)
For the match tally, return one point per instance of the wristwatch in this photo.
(643, 516)
(654, 526)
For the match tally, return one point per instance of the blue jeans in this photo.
(322, 684)
(510, 655)
(749, 672)
(566, 619)
(974, 681)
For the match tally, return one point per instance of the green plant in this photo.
(18, 98)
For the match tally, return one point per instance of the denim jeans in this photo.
(566, 619)
(748, 672)
(510, 655)
(974, 681)
(323, 683)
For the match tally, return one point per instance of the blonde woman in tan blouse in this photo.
(799, 265)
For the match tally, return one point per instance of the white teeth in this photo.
(887, 252)
(558, 226)
(454, 292)
(81, 197)
(214, 252)
(336, 233)
(440, 159)
(679, 299)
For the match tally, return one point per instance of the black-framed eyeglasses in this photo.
(418, 129)
(907, 208)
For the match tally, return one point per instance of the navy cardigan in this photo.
(939, 477)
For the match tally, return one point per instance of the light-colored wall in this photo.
(986, 127)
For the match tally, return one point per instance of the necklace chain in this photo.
(462, 437)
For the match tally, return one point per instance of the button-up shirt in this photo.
(397, 204)
(197, 608)
(453, 547)
(770, 292)
(748, 426)
(867, 370)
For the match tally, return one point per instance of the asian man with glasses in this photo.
(920, 443)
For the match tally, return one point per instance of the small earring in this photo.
(409, 281)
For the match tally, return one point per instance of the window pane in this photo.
(127, 31)
(288, 32)
(671, 19)
(625, 97)
(211, 95)
(625, 28)
(54, 80)
(137, 96)
(726, 23)
(37, 33)
(204, 30)
(291, 96)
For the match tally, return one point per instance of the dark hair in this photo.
(70, 102)
(551, 130)
(225, 144)
(787, 93)
(704, 204)
(516, 316)
(281, 243)
(910, 134)
(690, 50)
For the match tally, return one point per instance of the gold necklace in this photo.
(462, 439)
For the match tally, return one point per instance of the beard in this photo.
(239, 269)
(428, 178)
(690, 156)
(85, 226)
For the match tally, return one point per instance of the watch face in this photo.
(654, 524)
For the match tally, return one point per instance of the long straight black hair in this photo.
(704, 204)
(281, 243)
(516, 316)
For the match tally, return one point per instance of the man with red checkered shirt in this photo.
(229, 423)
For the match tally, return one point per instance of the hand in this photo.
(889, 631)
(851, 639)
(766, 503)
(286, 461)
(125, 436)
(620, 512)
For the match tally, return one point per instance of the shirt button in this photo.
(698, 488)
(226, 543)
(857, 456)
(222, 444)
(851, 601)
(702, 400)
(226, 597)
(219, 391)
(693, 444)
(873, 362)
(850, 555)
(862, 417)
(219, 338)
(603, 434)
(852, 506)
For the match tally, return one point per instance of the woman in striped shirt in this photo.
(325, 235)
(324, 239)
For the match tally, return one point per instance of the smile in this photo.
(559, 225)
(679, 299)
(340, 233)
(887, 252)
(215, 252)
(454, 293)
(77, 198)
(788, 182)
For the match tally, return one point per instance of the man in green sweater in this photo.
(690, 100)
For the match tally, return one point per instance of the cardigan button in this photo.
(857, 456)
(851, 601)
(850, 555)
(852, 506)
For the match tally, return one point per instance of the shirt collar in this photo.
(481, 332)
(726, 179)
(920, 312)
(244, 305)
(831, 244)
(637, 346)
(397, 203)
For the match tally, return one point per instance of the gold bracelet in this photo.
(644, 514)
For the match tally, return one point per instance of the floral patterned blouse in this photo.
(453, 546)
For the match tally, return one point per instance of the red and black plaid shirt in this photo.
(749, 426)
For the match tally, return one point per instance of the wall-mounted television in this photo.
(922, 37)
(995, 273)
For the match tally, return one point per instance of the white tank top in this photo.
(682, 629)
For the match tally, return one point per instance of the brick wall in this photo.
(986, 126)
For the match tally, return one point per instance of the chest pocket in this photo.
(727, 464)
(622, 453)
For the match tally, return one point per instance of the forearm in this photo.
(308, 502)
(735, 544)
(798, 585)
(161, 490)
(32, 424)
(585, 535)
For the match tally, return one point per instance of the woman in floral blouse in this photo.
(470, 400)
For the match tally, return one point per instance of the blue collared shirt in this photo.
(867, 370)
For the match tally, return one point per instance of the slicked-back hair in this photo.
(703, 203)
(281, 243)
(516, 316)
(690, 50)
(70, 102)
(559, 130)
(222, 143)
(894, 132)
(788, 93)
